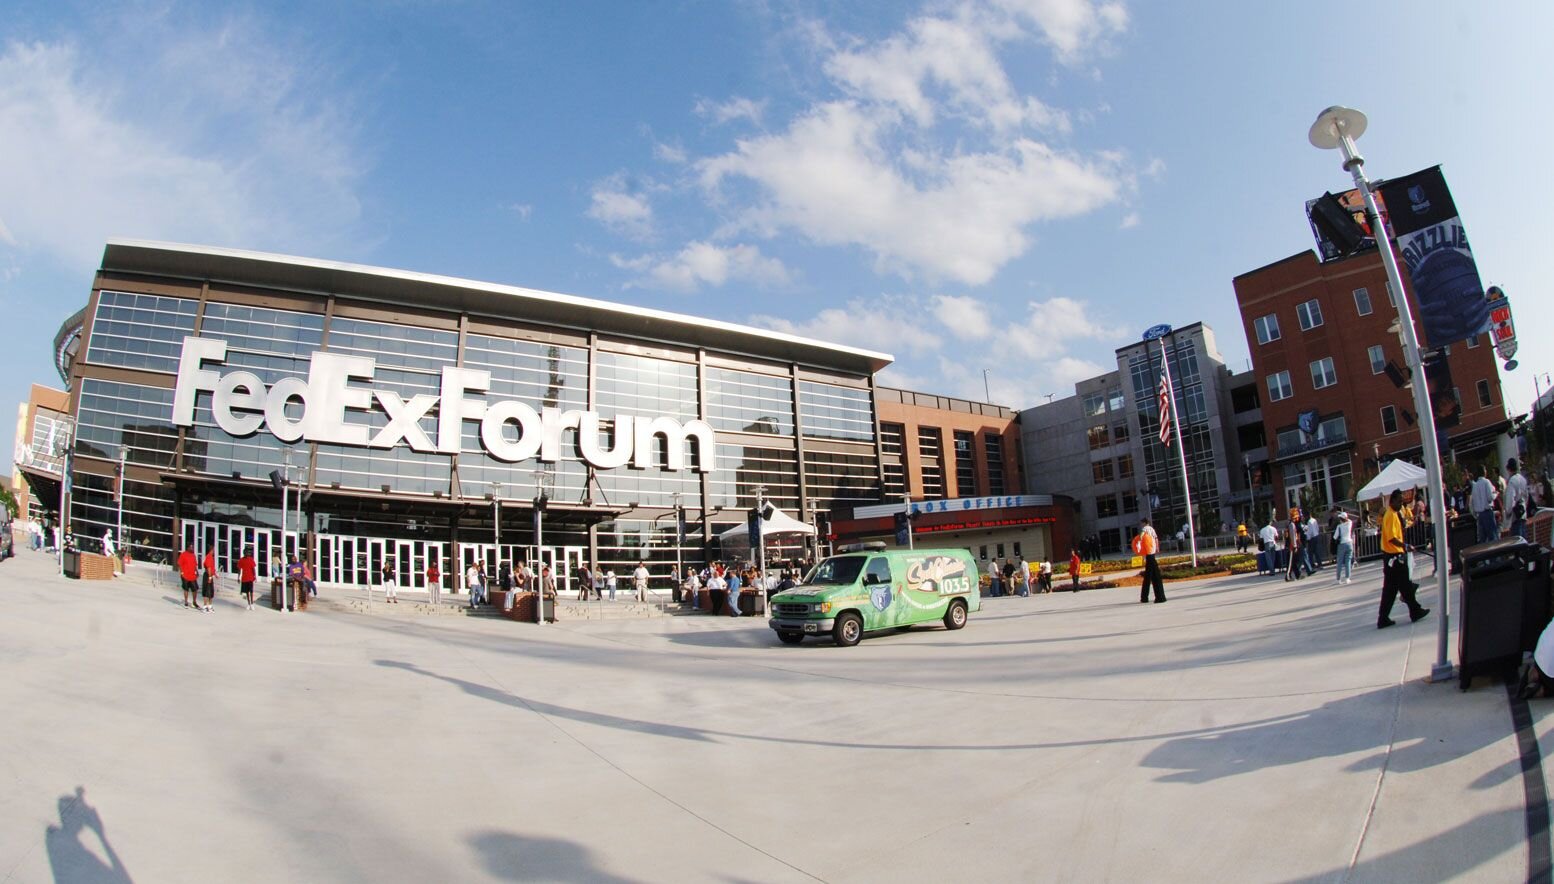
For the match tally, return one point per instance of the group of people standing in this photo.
(1016, 577)
(292, 582)
(1300, 546)
(601, 580)
(1501, 505)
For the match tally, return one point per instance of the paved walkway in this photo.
(1248, 730)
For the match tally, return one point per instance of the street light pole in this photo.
(541, 500)
(1337, 127)
(119, 533)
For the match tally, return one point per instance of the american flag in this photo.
(1165, 410)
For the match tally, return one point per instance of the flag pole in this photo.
(1181, 451)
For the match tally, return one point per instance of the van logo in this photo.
(941, 574)
(879, 594)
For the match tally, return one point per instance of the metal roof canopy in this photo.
(425, 290)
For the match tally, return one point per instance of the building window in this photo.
(930, 451)
(1309, 314)
(965, 464)
(1098, 438)
(1130, 502)
(1279, 387)
(1267, 328)
(1484, 399)
(1114, 401)
(1362, 301)
(1102, 471)
(1389, 420)
(1125, 466)
(1473, 343)
(1120, 432)
(1322, 373)
(1094, 404)
(891, 442)
(994, 445)
(1106, 506)
(1378, 359)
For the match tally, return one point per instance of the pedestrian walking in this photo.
(1046, 575)
(434, 581)
(585, 581)
(639, 581)
(734, 585)
(1074, 567)
(1395, 579)
(1022, 578)
(247, 570)
(993, 587)
(208, 581)
(472, 584)
(1149, 548)
(389, 579)
(189, 575)
(1343, 538)
(611, 582)
(1517, 500)
(1295, 548)
(1481, 501)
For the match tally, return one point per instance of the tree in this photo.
(9, 499)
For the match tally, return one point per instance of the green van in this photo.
(863, 590)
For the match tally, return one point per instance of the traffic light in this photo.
(1336, 225)
(277, 480)
(903, 528)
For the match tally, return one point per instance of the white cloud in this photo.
(226, 137)
(1071, 27)
(522, 210)
(670, 153)
(706, 264)
(621, 208)
(733, 109)
(965, 316)
(1064, 320)
(1130, 221)
(959, 216)
(889, 324)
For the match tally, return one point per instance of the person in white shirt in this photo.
(1343, 536)
(1269, 535)
(611, 582)
(1315, 553)
(1517, 500)
(639, 581)
(1482, 502)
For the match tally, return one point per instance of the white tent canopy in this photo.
(1400, 475)
(779, 523)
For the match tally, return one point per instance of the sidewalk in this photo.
(1248, 730)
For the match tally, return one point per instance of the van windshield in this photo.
(839, 571)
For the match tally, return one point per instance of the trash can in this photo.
(72, 563)
(1460, 534)
(1505, 605)
(752, 603)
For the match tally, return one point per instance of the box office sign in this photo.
(242, 404)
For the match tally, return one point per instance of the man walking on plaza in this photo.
(639, 581)
(247, 572)
(1395, 578)
(1343, 536)
(189, 574)
(1517, 500)
(208, 586)
(1149, 548)
(1482, 502)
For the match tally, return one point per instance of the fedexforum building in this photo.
(420, 417)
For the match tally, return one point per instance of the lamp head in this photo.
(1332, 123)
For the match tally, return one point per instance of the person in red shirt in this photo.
(247, 571)
(208, 587)
(1073, 567)
(188, 572)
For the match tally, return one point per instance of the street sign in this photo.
(1501, 329)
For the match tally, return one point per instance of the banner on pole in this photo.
(1165, 409)
(1434, 247)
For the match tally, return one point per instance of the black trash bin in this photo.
(1461, 533)
(752, 604)
(72, 563)
(1505, 605)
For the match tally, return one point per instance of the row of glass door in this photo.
(343, 560)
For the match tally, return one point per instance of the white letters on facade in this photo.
(241, 404)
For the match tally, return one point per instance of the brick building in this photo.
(1323, 349)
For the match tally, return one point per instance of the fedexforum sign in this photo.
(241, 404)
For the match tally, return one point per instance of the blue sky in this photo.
(1012, 185)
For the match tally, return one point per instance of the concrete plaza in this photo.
(1248, 730)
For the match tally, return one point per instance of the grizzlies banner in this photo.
(1434, 248)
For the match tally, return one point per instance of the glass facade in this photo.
(1161, 469)
(440, 506)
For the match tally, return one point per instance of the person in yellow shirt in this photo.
(1394, 566)
(1243, 539)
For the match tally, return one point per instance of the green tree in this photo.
(9, 499)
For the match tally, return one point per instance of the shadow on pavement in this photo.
(513, 857)
(1336, 728)
(74, 859)
(1447, 856)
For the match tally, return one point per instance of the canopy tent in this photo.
(1400, 475)
(779, 523)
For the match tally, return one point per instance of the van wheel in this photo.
(790, 638)
(955, 617)
(848, 629)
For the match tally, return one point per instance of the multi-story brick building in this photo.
(1333, 383)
